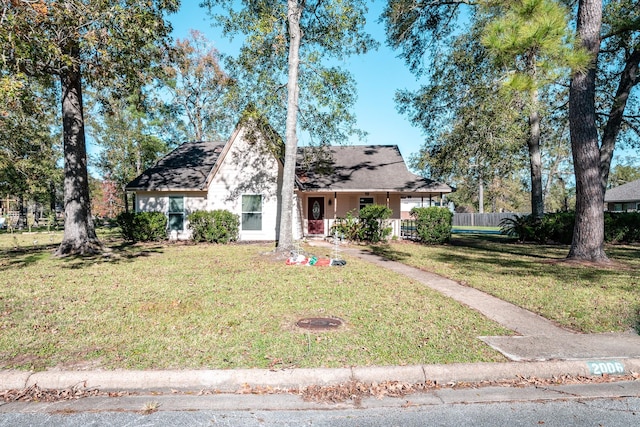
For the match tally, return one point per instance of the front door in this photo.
(315, 215)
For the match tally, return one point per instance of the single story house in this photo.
(244, 175)
(623, 198)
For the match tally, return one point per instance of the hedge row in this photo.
(219, 226)
(619, 227)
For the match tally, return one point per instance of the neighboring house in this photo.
(408, 203)
(244, 176)
(623, 198)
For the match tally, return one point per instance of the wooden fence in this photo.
(481, 219)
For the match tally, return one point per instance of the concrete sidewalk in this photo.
(541, 349)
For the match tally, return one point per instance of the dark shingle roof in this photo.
(333, 168)
(359, 168)
(185, 168)
(624, 193)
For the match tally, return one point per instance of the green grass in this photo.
(582, 297)
(165, 306)
(475, 227)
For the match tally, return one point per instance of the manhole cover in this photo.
(318, 323)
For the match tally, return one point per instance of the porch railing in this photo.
(401, 228)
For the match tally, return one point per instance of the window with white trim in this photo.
(176, 213)
(251, 212)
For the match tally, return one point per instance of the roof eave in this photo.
(166, 189)
(375, 190)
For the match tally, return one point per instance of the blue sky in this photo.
(378, 74)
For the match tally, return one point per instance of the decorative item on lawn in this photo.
(300, 259)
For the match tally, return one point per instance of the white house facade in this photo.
(244, 176)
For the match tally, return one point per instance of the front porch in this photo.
(321, 211)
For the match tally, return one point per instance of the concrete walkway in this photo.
(537, 339)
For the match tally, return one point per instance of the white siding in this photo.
(159, 202)
(248, 168)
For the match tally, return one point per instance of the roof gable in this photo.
(623, 193)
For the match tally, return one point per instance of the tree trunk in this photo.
(79, 234)
(285, 234)
(481, 194)
(52, 200)
(22, 213)
(628, 79)
(588, 233)
(533, 142)
(535, 160)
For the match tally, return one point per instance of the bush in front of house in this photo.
(433, 224)
(347, 228)
(370, 226)
(219, 226)
(373, 223)
(142, 226)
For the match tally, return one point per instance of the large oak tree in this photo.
(599, 99)
(603, 99)
(95, 42)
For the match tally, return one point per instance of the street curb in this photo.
(237, 379)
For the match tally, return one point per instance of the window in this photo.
(364, 201)
(176, 213)
(251, 212)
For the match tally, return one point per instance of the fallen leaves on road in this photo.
(37, 394)
(355, 391)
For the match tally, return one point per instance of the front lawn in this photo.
(582, 297)
(165, 306)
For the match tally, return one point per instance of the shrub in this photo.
(433, 224)
(219, 226)
(522, 227)
(369, 227)
(551, 228)
(622, 227)
(346, 228)
(556, 227)
(373, 227)
(619, 227)
(142, 226)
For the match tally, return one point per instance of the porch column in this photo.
(335, 204)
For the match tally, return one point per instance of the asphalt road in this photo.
(613, 404)
(599, 412)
